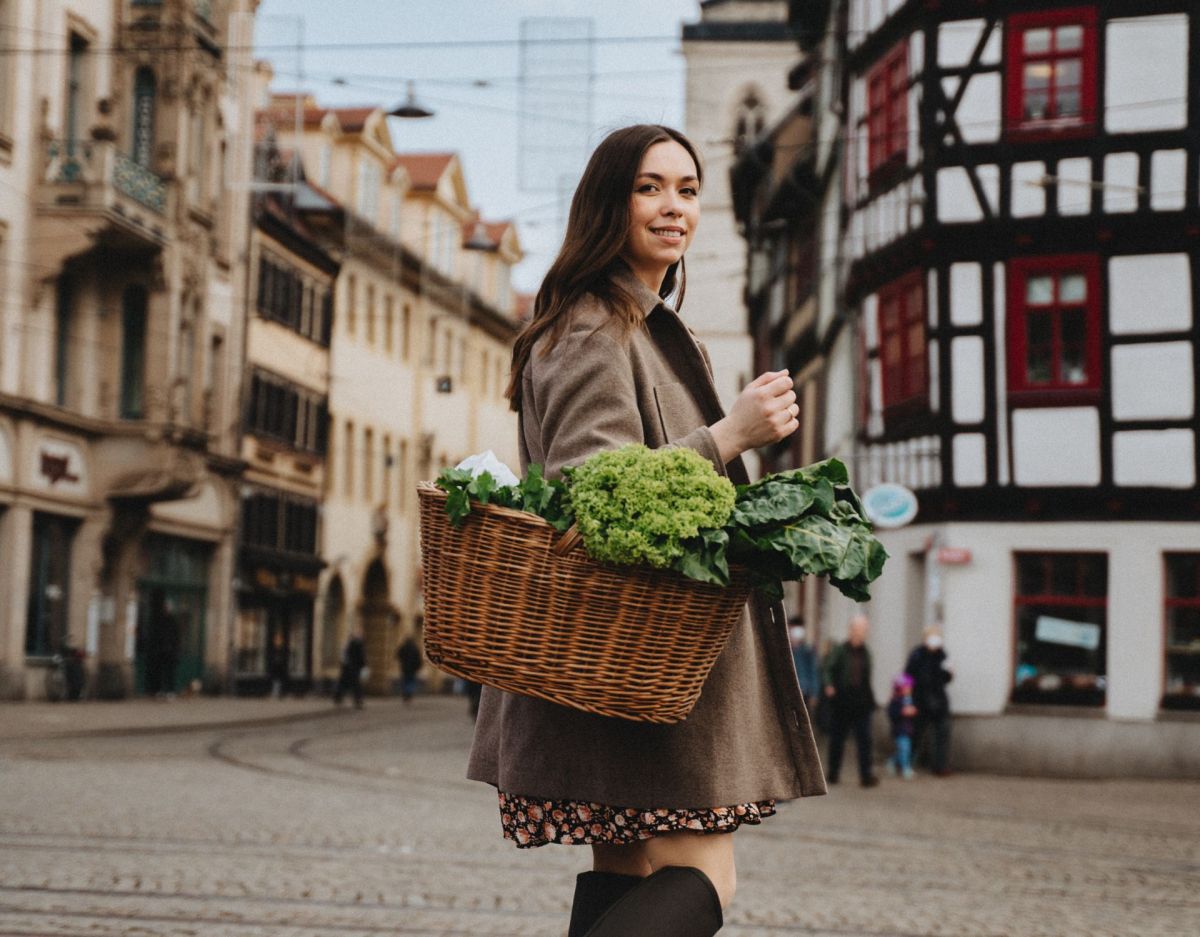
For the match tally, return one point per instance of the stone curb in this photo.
(172, 728)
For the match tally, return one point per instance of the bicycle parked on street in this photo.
(65, 677)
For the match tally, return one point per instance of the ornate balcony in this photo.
(91, 195)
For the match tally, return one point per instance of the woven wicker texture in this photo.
(504, 609)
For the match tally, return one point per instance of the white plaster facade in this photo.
(418, 366)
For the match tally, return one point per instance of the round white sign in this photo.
(889, 505)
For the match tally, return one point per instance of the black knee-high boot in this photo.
(677, 901)
(595, 893)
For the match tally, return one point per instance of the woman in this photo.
(604, 362)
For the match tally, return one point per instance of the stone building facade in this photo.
(120, 339)
(423, 324)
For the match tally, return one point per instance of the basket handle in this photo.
(566, 543)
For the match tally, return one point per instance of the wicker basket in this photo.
(512, 603)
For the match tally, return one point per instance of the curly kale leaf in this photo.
(641, 505)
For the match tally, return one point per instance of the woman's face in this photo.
(664, 210)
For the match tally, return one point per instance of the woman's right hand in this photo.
(764, 413)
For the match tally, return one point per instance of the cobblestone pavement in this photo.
(361, 824)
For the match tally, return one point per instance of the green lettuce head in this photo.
(639, 505)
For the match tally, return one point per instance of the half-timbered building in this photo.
(1006, 263)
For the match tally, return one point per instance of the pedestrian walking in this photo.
(408, 654)
(161, 647)
(354, 662)
(852, 701)
(930, 673)
(901, 714)
(277, 665)
(808, 674)
(606, 361)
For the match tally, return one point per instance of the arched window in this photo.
(145, 89)
(750, 121)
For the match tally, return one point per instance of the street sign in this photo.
(889, 505)
(954, 556)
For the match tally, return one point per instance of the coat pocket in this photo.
(677, 411)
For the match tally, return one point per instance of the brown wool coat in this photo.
(748, 738)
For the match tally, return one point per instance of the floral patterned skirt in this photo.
(530, 822)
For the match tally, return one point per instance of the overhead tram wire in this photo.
(412, 44)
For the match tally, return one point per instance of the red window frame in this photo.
(887, 111)
(1055, 331)
(1052, 58)
(1181, 600)
(1054, 672)
(903, 343)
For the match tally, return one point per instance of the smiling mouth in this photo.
(672, 233)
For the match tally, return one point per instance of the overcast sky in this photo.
(635, 81)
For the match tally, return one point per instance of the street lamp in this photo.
(410, 107)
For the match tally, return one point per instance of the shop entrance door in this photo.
(376, 623)
(172, 598)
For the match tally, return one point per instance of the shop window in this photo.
(49, 585)
(299, 629)
(1054, 330)
(332, 624)
(1182, 666)
(1061, 610)
(887, 113)
(1051, 81)
(903, 345)
(252, 640)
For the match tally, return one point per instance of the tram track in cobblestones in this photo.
(307, 905)
(297, 750)
(326, 927)
(1080, 884)
(352, 826)
(104, 843)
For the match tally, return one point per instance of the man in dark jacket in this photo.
(847, 675)
(354, 659)
(927, 666)
(409, 656)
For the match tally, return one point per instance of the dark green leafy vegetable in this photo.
(535, 494)
(805, 522)
(662, 508)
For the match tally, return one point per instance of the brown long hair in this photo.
(597, 227)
